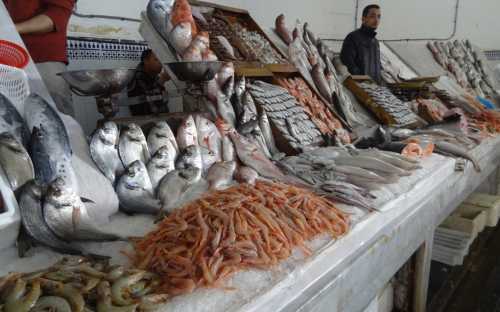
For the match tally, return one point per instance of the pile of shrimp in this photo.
(242, 227)
(486, 121)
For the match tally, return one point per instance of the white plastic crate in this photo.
(14, 84)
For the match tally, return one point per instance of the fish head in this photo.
(161, 7)
(240, 86)
(134, 132)
(136, 168)
(60, 194)
(162, 125)
(162, 157)
(107, 138)
(209, 156)
(190, 173)
(9, 141)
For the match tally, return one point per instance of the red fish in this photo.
(181, 13)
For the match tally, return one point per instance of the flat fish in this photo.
(135, 190)
(187, 134)
(221, 174)
(104, 150)
(12, 122)
(15, 161)
(160, 164)
(175, 184)
(161, 135)
(67, 216)
(133, 146)
(33, 220)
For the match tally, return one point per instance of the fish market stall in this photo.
(259, 203)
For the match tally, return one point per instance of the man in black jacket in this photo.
(361, 50)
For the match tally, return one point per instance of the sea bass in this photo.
(11, 121)
(133, 145)
(15, 161)
(187, 134)
(135, 191)
(67, 216)
(104, 150)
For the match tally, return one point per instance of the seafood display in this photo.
(12, 122)
(287, 115)
(242, 227)
(463, 62)
(78, 285)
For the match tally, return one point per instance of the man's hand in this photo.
(39, 24)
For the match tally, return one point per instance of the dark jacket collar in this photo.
(370, 32)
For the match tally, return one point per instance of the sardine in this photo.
(12, 122)
(161, 135)
(15, 161)
(175, 184)
(187, 134)
(190, 157)
(67, 216)
(225, 109)
(221, 174)
(133, 146)
(104, 150)
(246, 175)
(447, 148)
(135, 190)
(33, 221)
(180, 37)
(160, 164)
(158, 12)
(265, 127)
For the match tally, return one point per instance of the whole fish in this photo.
(158, 12)
(50, 148)
(225, 109)
(181, 37)
(396, 161)
(33, 221)
(187, 134)
(209, 136)
(161, 135)
(281, 29)
(310, 35)
(135, 191)
(259, 140)
(228, 88)
(11, 121)
(104, 150)
(455, 150)
(249, 109)
(371, 163)
(67, 216)
(175, 184)
(265, 127)
(221, 174)
(228, 152)
(246, 174)
(160, 164)
(208, 158)
(321, 83)
(225, 73)
(190, 157)
(133, 145)
(15, 161)
(359, 173)
(248, 127)
(227, 46)
(237, 99)
(347, 193)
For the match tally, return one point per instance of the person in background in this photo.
(42, 25)
(146, 90)
(361, 49)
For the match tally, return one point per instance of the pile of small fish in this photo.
(242, 227)
(388, 107)
(348, 176)
(462, 60)
(312, 58)
(80, 285)
(258, 44)
(287, 115)
(317, 111)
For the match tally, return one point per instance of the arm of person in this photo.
(348, 56)
(54, 18)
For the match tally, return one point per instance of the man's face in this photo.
(152, 64)
(372, 20)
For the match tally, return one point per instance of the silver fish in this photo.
(208, 158)
(160, 164)
(455, 150)
(158, 12)
(209, 136)
(50, 148)
(67, 216)
(187, 134)
(237, 99)
(175, 184)
(227, 46)
(225, 109)
(228, 152)
(221, 174)
(225, 73)
(15, 161)
(321, 83)
(265, 127)
(190, 157)
(396, 161)
(181, 37)
(246, 175)
(133, 145)
(33, 221)
(104, 151)
(371, 163)
(161, 135)
(11, 121)
(135, 191)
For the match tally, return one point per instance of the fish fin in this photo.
(86, 200)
